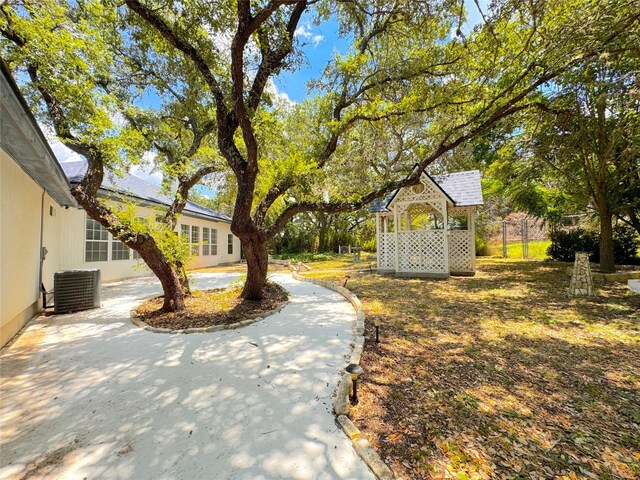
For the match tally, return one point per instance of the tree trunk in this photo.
(323, 232)
(607, 262)
(255, 253)
(168, 276)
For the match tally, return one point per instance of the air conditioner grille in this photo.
(76, 290)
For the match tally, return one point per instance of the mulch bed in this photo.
(205, 308)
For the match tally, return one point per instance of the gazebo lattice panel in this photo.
(387, 251)
(422, 251)
(460, 251)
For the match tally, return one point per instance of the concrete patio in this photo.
(89, 395)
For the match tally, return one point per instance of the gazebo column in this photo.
(378, 219)
(471, 226)
(396, 227)
(445, 226)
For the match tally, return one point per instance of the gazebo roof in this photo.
(464, 188)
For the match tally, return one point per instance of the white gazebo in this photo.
(428, 229)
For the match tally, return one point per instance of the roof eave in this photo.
(27, 145)
(117, 196)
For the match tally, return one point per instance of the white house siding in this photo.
(72, 247)
(20, 206)
(224, 229)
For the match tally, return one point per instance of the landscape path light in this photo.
(355, 371)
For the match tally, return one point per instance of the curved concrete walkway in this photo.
(89, 395)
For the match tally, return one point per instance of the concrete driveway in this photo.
(89, 395)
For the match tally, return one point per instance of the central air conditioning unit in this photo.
(75, 290)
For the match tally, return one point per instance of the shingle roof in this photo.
(137, 188)
(464, 188)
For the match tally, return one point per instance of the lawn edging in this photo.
(341, 403)
(253, 318)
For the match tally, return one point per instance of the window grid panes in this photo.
(96, 242)
(205, 241)
(230, 244)
(119, 251)
(214, 241)
(195, 240)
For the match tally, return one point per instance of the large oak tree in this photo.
(212, 63)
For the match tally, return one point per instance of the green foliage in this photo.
(369, 245)
(175, 248)
(482, 249)
(626, 245)
(564, 244)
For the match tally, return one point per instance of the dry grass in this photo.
(500, 375)
(211, 307)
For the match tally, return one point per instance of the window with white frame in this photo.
(230, 244)
(96, 247)
(206, 238)
(119, 251)
(195, 240)
(214, 241)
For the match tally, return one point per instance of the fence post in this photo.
(525, 239)
(504, 239)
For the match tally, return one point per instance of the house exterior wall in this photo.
(20, 206)
(72, 247)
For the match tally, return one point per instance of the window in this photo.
(184, 229)
(214, 241)
(229, 244)
(195, 240)
(119, 251)
(205, 241)
(96, 247)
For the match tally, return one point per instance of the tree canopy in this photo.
(209, 65)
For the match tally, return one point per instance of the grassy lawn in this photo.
(537, 250)
(500, 375)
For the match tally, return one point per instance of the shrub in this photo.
(565, 244)
(626, 243)
(482, 248)
(369, 245)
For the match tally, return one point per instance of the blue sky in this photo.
(320, 43)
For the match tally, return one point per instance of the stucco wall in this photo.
(20, 206)
(72, 242)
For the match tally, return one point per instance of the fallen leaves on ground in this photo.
(501, 375)
(205, 308)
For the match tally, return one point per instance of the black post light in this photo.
(376, 322)
(355, 371)
(346, 279)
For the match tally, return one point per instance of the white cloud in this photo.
(281, 98)
(305, 32)
(146, 170)
(63, 153)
